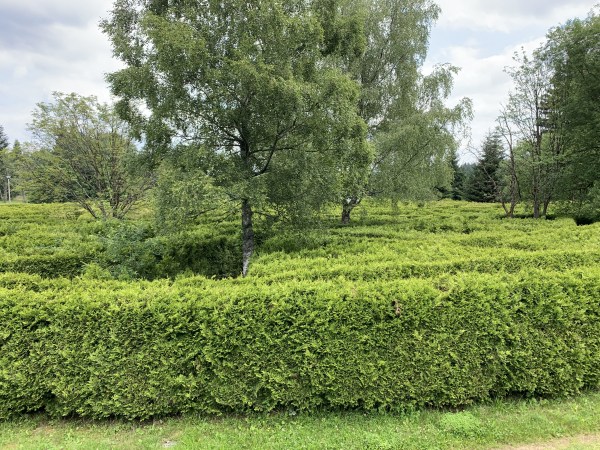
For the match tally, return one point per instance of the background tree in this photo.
(408, 126)
(15, 156)
(572, 52)
(550, 123)
(529, 116)
(484, 184)
(457, 186)
(3, 139)
(254, 84)
(84, 153)
(414, 155)
(511, 191)
(7, 166)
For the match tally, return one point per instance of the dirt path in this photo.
(584, 441)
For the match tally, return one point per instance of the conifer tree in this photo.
(484, 184)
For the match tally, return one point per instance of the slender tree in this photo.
(511, 193)
(408, 125)
(5, 166)
(413, 157)
(529, 114)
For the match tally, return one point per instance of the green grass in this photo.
(480, 427)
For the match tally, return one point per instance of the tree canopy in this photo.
(83, 153)
(254, 84)
(573, 51)
(551, 121)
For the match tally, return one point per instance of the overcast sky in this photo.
(56, 45)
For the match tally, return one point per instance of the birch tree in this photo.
(252, 83)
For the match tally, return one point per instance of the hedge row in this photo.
(351, 269)
(63, 264)
(155, 348)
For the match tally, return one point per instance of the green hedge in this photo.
(395, 269)
(61, 264)
(196, 345)
(133, 251)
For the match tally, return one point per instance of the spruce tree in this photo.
(484, 183)
(3, 139)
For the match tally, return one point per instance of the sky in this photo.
(48, 46)
(481, 37)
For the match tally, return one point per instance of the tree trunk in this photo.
(346, 210)
(545, 207)
(511, 211)
(509, 207)
(394, 204)
(347, 206)
(536, 208)
(505, 208)
(536, 196)
(247, 236)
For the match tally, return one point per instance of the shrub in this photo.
(132, 250)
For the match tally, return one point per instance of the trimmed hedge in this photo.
(54, 265)
(195, 345)
(390, 270)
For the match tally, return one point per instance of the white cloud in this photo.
(484, 80)
(509, 15)
(482, 37)
(46, 47)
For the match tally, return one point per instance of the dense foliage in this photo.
(143, 350)
(550, 123)
(281, 109)
(435, 304)
(574, 104)
(417, 240)
(83, 153)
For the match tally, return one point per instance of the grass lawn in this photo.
(498, 425)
